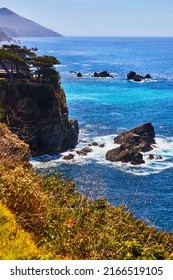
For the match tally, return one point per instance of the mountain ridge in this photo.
(14, 25)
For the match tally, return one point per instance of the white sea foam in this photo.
(145, 81)
(163, 148)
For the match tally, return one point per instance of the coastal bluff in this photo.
(38, 115)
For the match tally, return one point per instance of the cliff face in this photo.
(38, 114)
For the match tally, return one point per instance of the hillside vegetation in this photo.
(66, 225)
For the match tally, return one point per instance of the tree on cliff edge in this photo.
(45, 68)
(16, 60)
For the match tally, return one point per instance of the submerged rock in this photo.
(132, 143)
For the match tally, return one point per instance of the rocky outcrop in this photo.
(125, 155)
(69, 157)
(103, 74)
(132, 75)
(79, 75)
(132, 143)
(12, 149)
(38, 114)
(84, 151)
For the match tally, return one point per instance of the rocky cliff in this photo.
(38, 114)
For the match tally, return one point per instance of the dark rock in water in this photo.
(103, 74)
(96, 74)
(102, 145)
(148, 76)
(79, 75)
(69, 157)
(95, 144)
(132, 143)
(84, 151)
(150, 157)
(131, 75)
(159, 157)
(124, 155)
(137, 135)
(138, 78)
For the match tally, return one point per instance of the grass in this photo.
(66, 225)
(15, 243)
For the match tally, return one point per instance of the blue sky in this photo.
(99, 17)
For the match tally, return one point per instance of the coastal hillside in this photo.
(4, 37)
(14, 25)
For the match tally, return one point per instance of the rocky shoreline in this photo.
(131, 147)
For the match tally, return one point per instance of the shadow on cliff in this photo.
(38, 114)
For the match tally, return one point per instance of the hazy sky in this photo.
(99, 17)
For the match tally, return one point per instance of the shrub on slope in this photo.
(69, 226)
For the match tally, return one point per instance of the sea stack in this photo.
(132, 143)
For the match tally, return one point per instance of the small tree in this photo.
(45, 68)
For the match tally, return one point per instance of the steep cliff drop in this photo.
(38, 115)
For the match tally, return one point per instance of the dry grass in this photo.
(12, 149)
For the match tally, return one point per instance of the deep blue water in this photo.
(105, 107)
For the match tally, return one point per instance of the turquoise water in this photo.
(105, 107)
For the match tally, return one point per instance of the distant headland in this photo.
(14, 25)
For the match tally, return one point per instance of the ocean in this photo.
(105, 107)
